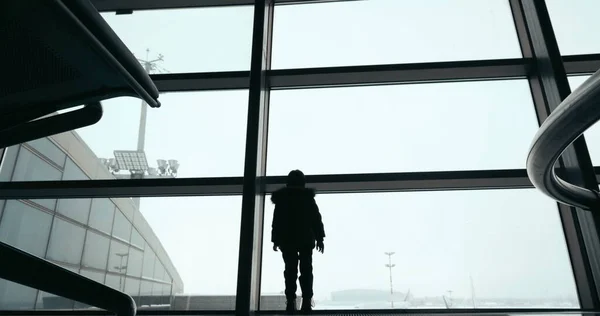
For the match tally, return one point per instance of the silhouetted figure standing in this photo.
(297, 226)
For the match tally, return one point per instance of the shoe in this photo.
(307, 305)
(290, 306)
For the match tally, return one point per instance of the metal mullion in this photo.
(121, 188)
(399, 73)
(408, 182)
(374, 74)
(226, 80)
(334, 183)
(549, 87)
(128, 5)
(350, 75)
(251, 228)
(582, 64)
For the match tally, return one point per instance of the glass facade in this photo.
(411, 119)
(91, 237)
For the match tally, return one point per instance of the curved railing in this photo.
(579, 111)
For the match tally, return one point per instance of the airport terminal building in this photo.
(104, 239)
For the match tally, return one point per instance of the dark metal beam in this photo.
(349, 75)
(255, 165)
(129, 5)
(415, 181)
(549, 87)
(582, 64)
(399, 73)
(346, 183)
(121, 188)
(230, 80)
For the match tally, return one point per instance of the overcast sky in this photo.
(509, 241)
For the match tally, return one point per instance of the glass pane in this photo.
(473, 248)
(137, 239)
(132, 286)
(72, 172)
(77, 209)
(116, 281)
(30, 167)
(118, 256)
(391, 31)
(66, 242)
(191, 40)
(182, 248)
(401, 128)
(159, 270)
(134, 267)
(14, 296)
(149, 261)
(121, 227)
(216, 119)
(47, 148)
(592, 135)
(102, 214)
(575, 23)
(95, 253)
(146, 288)
(25, 227)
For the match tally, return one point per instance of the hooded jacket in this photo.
(297, 222)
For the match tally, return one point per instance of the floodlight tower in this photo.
(149, 66)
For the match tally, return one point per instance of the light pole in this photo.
(149, 65)
(121, 268)
(135, 161)
(390, 265)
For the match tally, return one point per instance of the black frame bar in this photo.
(549, 87)
(255, 167)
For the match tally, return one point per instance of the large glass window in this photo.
(474, 248)
(196, 228)
(66, 242)
(401, 128)
(134, 267)
(203, 131)
(95, 252)
(149, 261)
(72, 172)
(77, 209)
(575, 22)
(102, 215)
(116, 281)
(121, 226)
(159, 270)
(391, 31)
(49, 149)
(216, 119)
(25, 227)
(132, 286)
(30, 167)
(137, 239)
(191, 40)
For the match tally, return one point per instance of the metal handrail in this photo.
(579, 111)
(32, 271)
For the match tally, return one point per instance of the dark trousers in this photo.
(291, 258)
